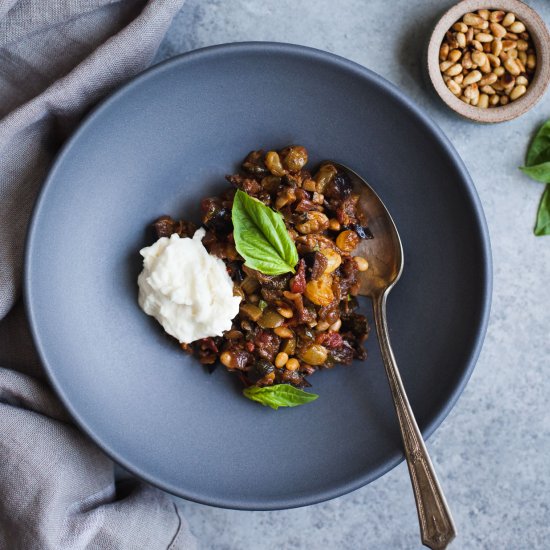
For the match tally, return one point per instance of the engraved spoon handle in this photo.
(437, 528)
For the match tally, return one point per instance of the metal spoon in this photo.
(385, 256)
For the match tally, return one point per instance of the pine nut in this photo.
(507, 81)
(504, 100)
(517, 27)
(486, 69)
(292, 364)
(499, 71)
(458, 78)
(477, 45)
(283, 332)
(461, 39)
(483, 101)
(508, 45)
(286, 312)
(469, 91)
(453, 44)
(321, 326)
(362, 264)
(454, 55)
(281, 359)
(472, 19)
(469, 34)
(531, 61)
(460, 27)
(484, 14)
(512, 67)
(522, 45)
(522, 56)
(488, 79)
(470, 78)
(521, 81)
(517, 92)
(511, 36)
(498, 30)
(493, 60)
(465, 99)
(494, 100)
(444, 51)
(479, 58)
(496, 47)
(496, 16)
(334, 224)
(467, 62)
(454, 87)
(489, 90)
(512, 54)
(454, 70)
(509, 18)
(484, 37)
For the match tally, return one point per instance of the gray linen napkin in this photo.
(57, 489)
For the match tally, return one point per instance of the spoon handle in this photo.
(437, 528)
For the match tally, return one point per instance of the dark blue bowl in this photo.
(160, 144)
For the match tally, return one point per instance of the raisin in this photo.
(339, 187)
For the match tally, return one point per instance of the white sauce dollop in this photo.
(187, 290)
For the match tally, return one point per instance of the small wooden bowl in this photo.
(536, 89)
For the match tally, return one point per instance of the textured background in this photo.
(492, 452)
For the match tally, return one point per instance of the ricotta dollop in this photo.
(186, 289)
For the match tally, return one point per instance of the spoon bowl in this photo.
(384, 253)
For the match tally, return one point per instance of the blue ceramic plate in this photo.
(160, 144)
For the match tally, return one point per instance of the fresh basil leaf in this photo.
(261, 237)
(538, 172)
(279, 395)
(543, 215)
(539, 150)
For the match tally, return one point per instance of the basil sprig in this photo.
(537, 167)
(261, 237)
(279, 395)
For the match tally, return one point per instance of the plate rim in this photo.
(373, 78)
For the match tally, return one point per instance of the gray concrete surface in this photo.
(493, 451)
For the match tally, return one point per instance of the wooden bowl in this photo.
(541, 39)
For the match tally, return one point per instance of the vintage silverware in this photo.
(385, 255)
